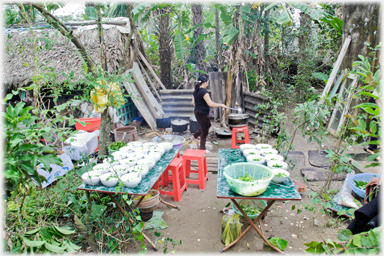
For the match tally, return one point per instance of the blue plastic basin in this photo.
(366, 177)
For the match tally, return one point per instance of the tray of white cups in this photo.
(135, 144)
(141, 150)
(135, 155)
(277, 165)
(131, 180)
(246, 146)
(147, 161)
(272, 157)
(121, 169)
(127, 149)
(270, 151)
(111, 161)
(103, 168)
(262, 146)
(109, 179)
(141, 169)
(280, 175)
(119, 155)
(150, 145)
(256, 159)
(92, 178)
(166, 145)
(128, 161)
(158, 149)
(248, 152)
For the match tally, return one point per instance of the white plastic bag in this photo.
(344, 197)
(81, 144)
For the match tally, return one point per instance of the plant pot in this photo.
(179, 125)
(150, 202)
(193, 124)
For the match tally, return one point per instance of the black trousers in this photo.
(205, 124)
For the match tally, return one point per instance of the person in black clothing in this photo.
(202, 101)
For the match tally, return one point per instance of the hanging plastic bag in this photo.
(230, 227)
(344, 197)
(106, 94)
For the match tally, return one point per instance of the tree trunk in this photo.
(362, 22)
(165, 54)
(197, 11)
(219, 52)
(105, 129)
(266, 41)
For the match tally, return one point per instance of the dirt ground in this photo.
(198, 221)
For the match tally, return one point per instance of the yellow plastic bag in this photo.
(231, 227)
(106, 95)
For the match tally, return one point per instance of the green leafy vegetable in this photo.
(246, 177)
(249, 210)
(360, 184)
(117, 145)
(281, 174)
(277, 165)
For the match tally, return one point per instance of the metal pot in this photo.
(193, 124)
(179, 125)
(237, 120)
(164, 122)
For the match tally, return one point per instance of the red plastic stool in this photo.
(178, 179)
(201, 157)
(235, 130)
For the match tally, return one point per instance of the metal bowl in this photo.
(237, 120)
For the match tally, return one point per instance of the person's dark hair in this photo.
(202, 79)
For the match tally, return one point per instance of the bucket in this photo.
(148, 204)
(126, 134)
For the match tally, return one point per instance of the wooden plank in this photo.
(141, 106)
(154, 106)
(338, 81)
(347, 99)
(146, 100)
(150, 82)
(336, 66)
(217, 82)
(151, 70)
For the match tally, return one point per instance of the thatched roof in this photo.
(61, 54)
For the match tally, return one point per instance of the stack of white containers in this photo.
(130, 164)
(264, 154)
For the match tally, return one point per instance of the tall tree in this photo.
(197, 11)
(164, 30)
(362, 22)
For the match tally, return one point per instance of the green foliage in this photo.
(46, 239)
(278, 242)
(23, 150)
(362, 243)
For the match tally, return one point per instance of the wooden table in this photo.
(142, 189)
(275, 192)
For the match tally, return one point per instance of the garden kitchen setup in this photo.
(192, 128)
